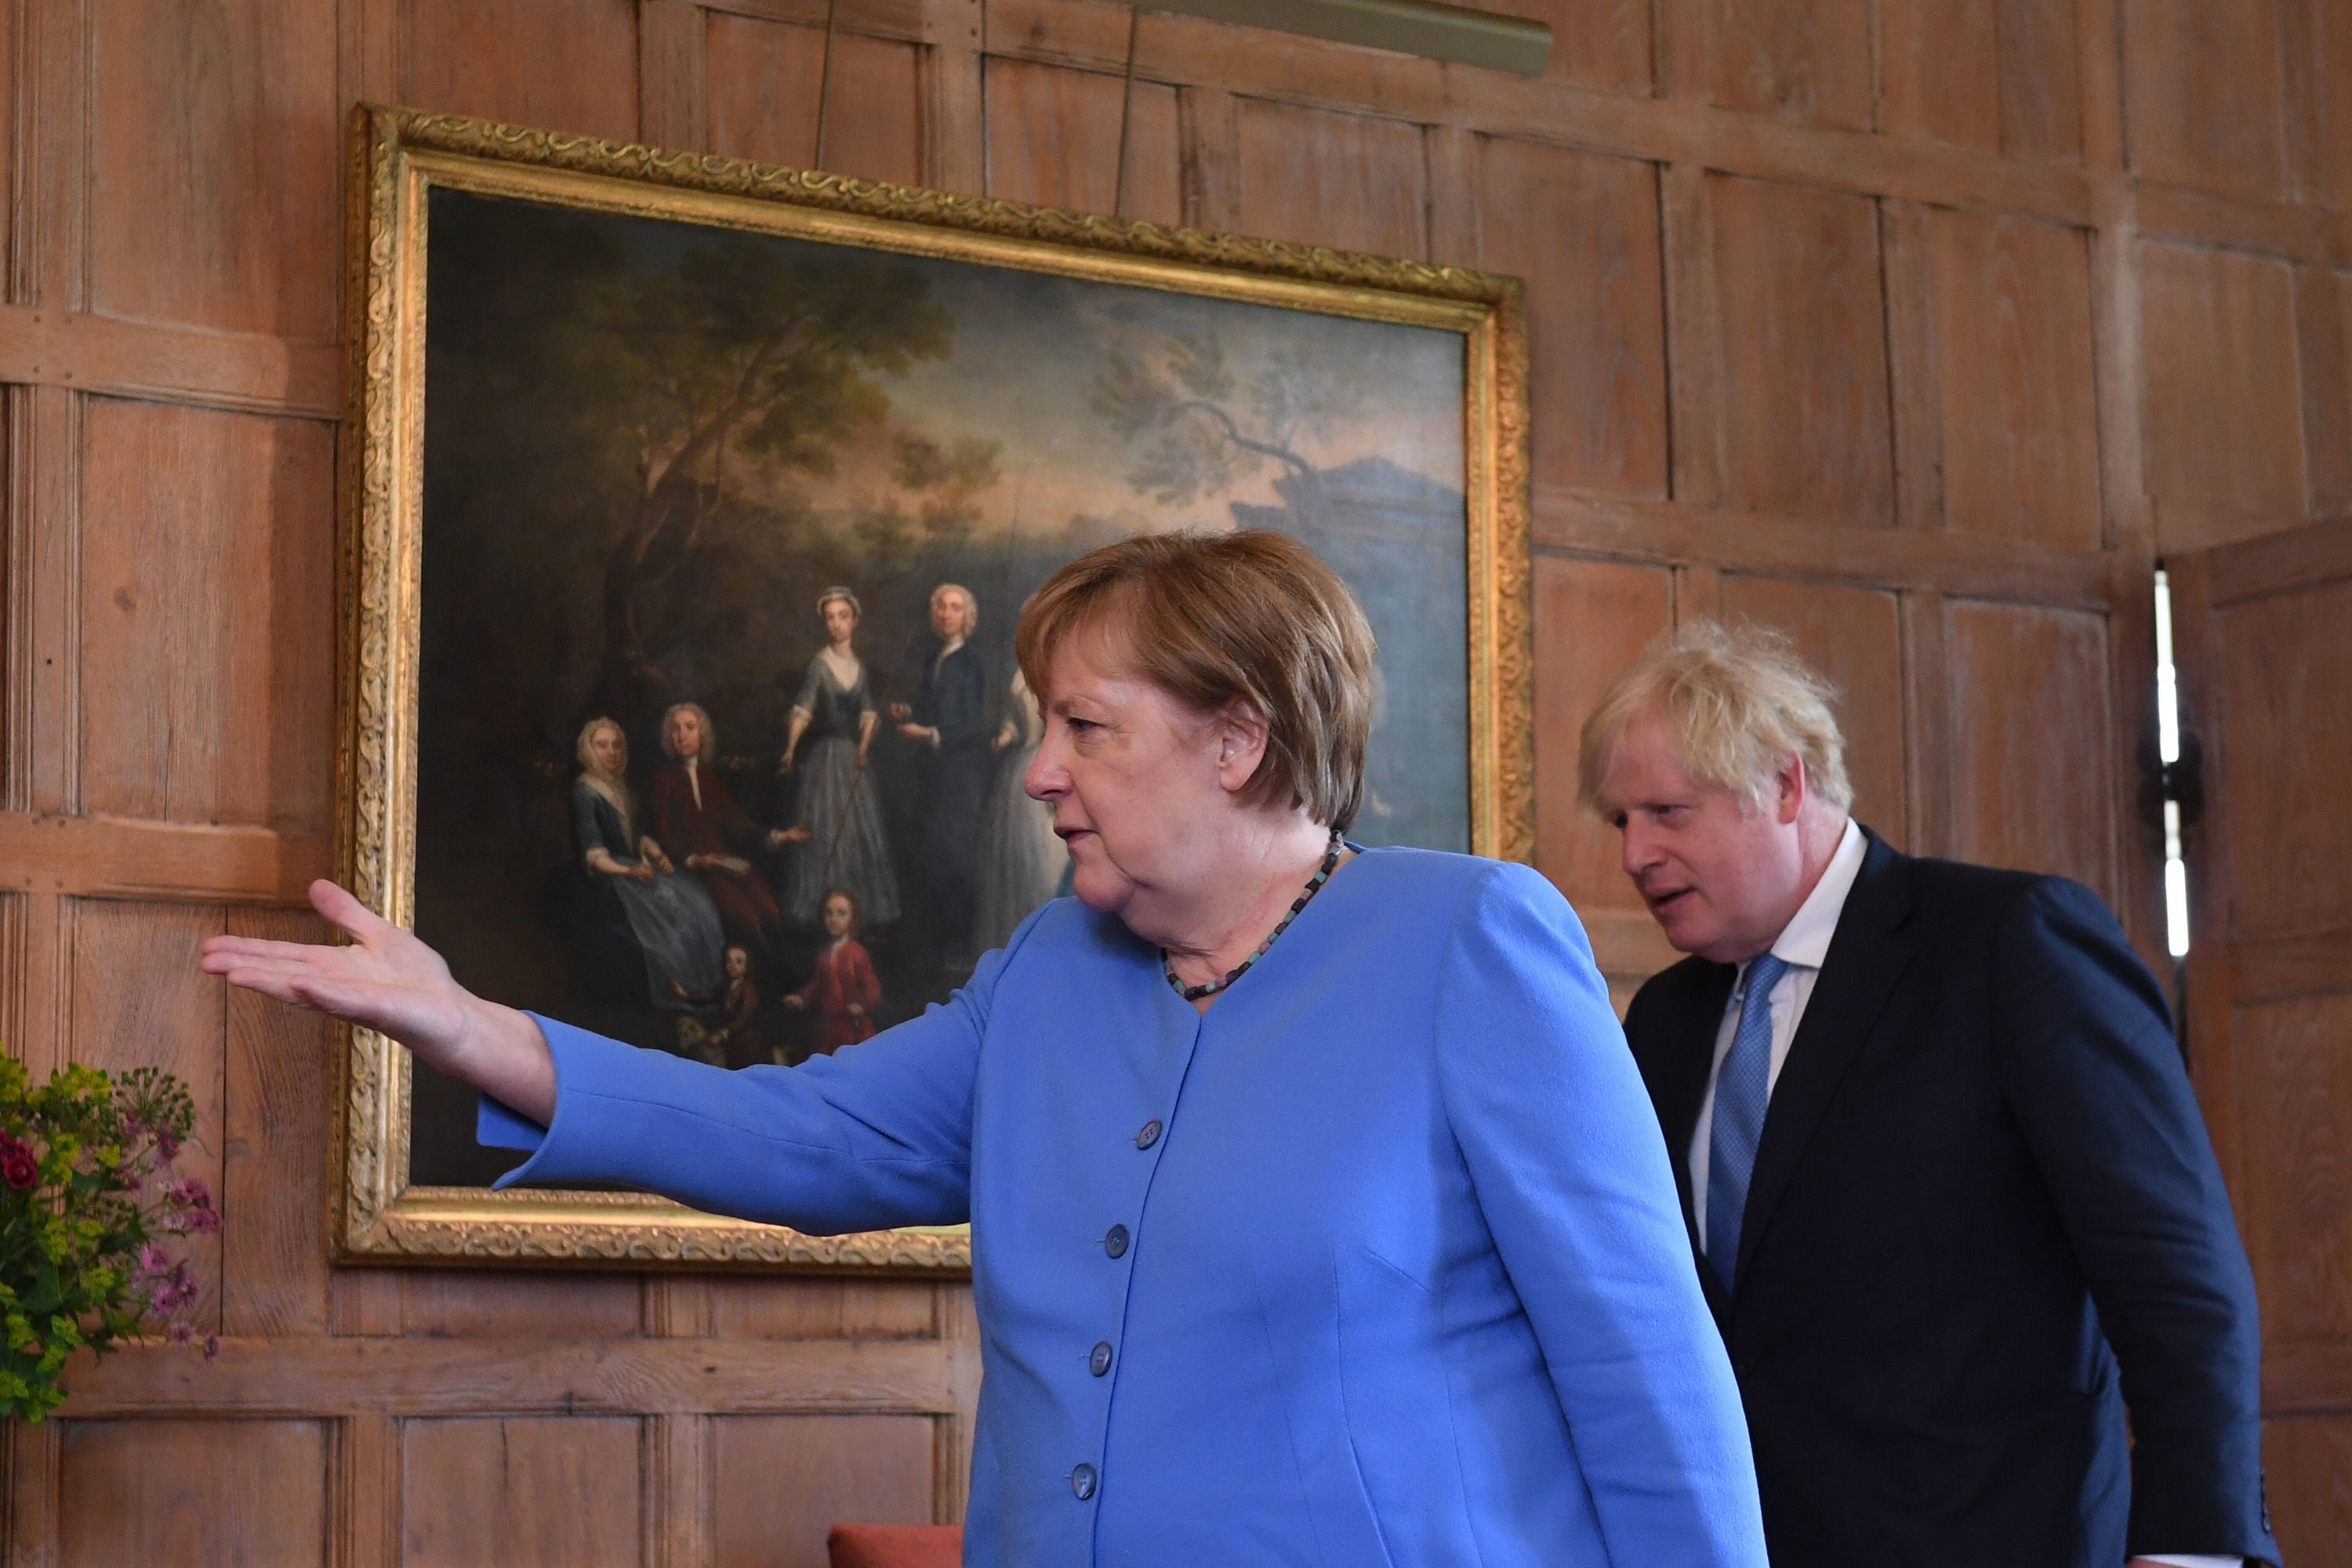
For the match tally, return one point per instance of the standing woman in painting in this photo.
(845, 847)
(1320, 1214)
(1021, 859)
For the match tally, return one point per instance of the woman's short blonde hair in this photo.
(1252, 617)
(1739, 702)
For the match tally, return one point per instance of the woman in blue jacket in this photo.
(1319, 1215)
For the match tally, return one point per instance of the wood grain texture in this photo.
(2309, 1464)
(1347, 181)
(1592, 618)
(1054, 139)
(1603, 44)
(523, 1492)
(118, 857)
(2031, 777)
(207, 590)
(279, 1087)
(2001, 76)
(2323, 323)
(193, 1494)
(2203, 93)
(1583, 230)
(764, 81)
(2297, 1084)
(1806, 60)
(784, 1308)
(213, 156)
(863, 1470)
(2019, 398)
(2224, 425)
(559, 65)
(1805, 397)
(483, 1305)
(175, 364)
(1854, 637)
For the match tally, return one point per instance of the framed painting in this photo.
(692, 508)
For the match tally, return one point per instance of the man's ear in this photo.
(1241, 732)
(1794, 789)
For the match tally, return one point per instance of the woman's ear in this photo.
(1241, 731)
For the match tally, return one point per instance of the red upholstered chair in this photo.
(896, 1545)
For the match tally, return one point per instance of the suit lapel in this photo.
(1685, 1054)
(1865, 959)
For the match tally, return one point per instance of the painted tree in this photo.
(1198, 427)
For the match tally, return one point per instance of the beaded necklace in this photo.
(1314, 885)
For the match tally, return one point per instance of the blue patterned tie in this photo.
(1741, 1090)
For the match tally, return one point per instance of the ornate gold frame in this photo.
(396, 155)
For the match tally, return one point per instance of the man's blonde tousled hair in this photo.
(1740, 703)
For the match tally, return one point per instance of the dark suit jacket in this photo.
(1984, 1220)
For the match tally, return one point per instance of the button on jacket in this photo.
(1400, 1281)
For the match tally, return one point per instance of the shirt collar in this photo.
(1804, 943)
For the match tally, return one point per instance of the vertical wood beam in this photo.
(1696, 461)
(1927, 724)
(955, 122)
(1209, 132)
(958, 1329)
(1915, 396)
(364, 1520)
(1452, 153)
(672, 75)
(677, 1499)
(44, 609)
(30, 1461)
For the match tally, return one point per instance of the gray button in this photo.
(1098, 1359)
(1082, 1482)
(1115, 1242)
(1149, 1135)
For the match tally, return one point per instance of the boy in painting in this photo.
(843, 989)
(737, 1035)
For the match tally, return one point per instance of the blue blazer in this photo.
(1376, 1262)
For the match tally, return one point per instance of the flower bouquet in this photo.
(87, 1198)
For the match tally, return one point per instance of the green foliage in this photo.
(87, 1194)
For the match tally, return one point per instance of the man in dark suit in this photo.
(1951, 1195)
(948, 723)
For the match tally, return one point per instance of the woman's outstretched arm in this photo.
(386, 980)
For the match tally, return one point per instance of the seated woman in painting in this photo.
(704, 830)
(835, 715)
(1021, 859)
(641, 905)
(843, 989)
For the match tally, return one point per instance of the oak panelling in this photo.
(1592, 618)
(2308, 1464)
(546, 1492)
(2032, 776)
(38, 710)
(2201, 94)
(179, 365)
(114, 857)
(279, 1084)
(1583, 230)
(555, 65)
(207, 597)
(2019, 391)
(136, 999)
(2237, 223)
(1806, 60)
(1349, 180)
(1604, 44)
(51, 162)
(2225, 425)
(13, 962)
(1054, 139)
(2323, 321)
(2280, 562)
(193, 1494)
(764, 81)
(673, 74)
(1803, 350)
(365, 1521)
(2295, 1078)
(481, 1305)
(784, 1308)
(2285, 739)
(1999, 76)
(2315, 71)
(863, 1470)
(1853, 636)
(215, 142)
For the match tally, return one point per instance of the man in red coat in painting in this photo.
(843, 989)
(699, 826)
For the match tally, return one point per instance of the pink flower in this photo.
(189, 1192)
(204, 1222)
(153, 1259)
(17, 1166)
(166, 1145)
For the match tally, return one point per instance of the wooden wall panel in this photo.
(2001, 77)
(193, 1494)
(1054, 139)
(277, 1122)
(1583, 230)
(207, 594)
(748, 1308)
(2225, 422)
(1604, 44)
(557, 65)
(1854, 638)
(2019, 399)
(543, 1492)
(2309, 1461)
(2019, 679)
(1349, 180)
(778, 1482)
(1592, 618)
(2202, 92)
(1803, 352)
(2295, 1079)
(2286, 721)
(483, 1304)
(1806, 60)
(137, 999)
(215, 149)
(764, 77)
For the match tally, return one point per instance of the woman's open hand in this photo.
(388, 980)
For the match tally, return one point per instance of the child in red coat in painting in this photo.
(843, 989)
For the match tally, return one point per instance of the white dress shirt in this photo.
(1803, 945)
